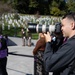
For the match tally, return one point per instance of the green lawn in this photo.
(17, 32)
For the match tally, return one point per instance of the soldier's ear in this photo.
(73, 25)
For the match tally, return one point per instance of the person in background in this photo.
(6, 37)
(38, 52)
(61, 61)
(23, 36)
(3, 55)
(29, 38)
(37, 14)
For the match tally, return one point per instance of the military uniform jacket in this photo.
(61, 61)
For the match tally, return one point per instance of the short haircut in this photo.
(70, 15)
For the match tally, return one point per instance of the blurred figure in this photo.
(23, 36)
(37, 14)
(38, 52)
(6, 37)
(29, 38)
(3, 55)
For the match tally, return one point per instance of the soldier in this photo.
(23, 36)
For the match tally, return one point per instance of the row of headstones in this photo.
(8, 19)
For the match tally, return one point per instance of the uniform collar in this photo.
(73, 37)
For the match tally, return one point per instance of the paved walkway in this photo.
(20, 59)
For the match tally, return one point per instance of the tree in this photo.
(54, 10)
(71, 5)
(33, 6)
(57, 7)
(4, 8)
(43, 6)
